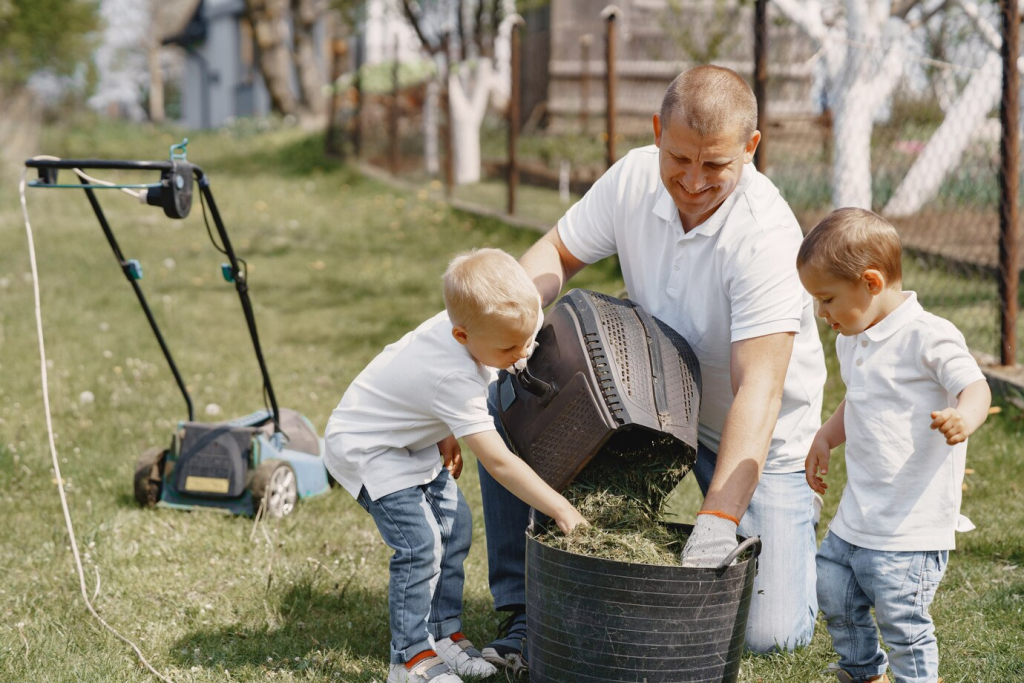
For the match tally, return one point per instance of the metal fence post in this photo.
(513, 115)
(1009, 264)
(761, 80)
(446, 105)
(393, 115)
(357, 123)
(586, 41)
(610, 14)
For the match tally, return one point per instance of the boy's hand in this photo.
(951, 423)
(451, 454)
(817, 461)
(570, 520)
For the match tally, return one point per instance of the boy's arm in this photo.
(833, 432)
(956, 424)
(830, 435)
(516, 476)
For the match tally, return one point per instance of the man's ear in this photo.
(874, 280)
(459, 332)
(657, 131)
(748, 151)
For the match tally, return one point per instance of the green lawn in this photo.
(340, 266)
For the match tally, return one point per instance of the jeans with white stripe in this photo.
(430, 528)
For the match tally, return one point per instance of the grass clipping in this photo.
(622, 493)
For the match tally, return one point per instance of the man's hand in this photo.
(451, 454)
(712, 539)
(952, 425)
(817, 463)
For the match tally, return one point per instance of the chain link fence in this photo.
(901, 116)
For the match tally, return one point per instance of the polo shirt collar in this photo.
(892, 323)
(665, 208)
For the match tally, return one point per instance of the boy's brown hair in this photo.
(849, 241)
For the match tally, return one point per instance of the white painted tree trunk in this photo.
(468, 104)
(860, 83)
(947, 144)
(431, 123)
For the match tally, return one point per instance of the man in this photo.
(706, 244)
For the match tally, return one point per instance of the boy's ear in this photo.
(459, 332)
(874, 280)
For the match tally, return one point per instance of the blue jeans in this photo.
(784, 605)
(430, 528)
(900, 586)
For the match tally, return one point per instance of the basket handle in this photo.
(753, 541)
(543, 390)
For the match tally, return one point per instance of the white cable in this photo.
(53, 446)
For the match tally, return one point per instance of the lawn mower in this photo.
(263, 462)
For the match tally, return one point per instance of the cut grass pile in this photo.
(622, 493)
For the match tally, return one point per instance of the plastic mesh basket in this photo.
(602, 365)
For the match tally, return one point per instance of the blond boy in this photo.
(913, 395)
(391, 443)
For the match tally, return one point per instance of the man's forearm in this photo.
(746, 436)
(542, 263)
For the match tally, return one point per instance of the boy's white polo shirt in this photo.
(904, 481)
(729, 279)
(384, 433)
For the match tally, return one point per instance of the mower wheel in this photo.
(149, 476)
(275, 482)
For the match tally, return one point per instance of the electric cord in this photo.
(49, 430)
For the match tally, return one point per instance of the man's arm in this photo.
(550, 264)
(758, 368)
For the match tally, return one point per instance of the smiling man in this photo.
(706, 244)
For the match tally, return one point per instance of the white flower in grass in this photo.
(212, 409)
(169, 263)
(86, 397)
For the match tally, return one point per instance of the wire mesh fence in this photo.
(900, 115)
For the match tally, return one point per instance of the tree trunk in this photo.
(468, 105)
(270, 27)
(947, 144)
(156, 81)
(305, 14)
(431, 125)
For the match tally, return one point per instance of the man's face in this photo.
(700, 172)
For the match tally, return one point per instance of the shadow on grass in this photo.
(313, 629)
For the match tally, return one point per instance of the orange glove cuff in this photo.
(721, 515)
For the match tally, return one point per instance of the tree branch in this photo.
(414, 19)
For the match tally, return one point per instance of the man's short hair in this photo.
(710, 99)
(487, 286)
(850, 241)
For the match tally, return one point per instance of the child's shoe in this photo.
(509, 649)
(847, 678)
(426, 667)
(462, 657)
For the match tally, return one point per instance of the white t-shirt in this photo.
(384, 433)
(729, 279)
(904, 481)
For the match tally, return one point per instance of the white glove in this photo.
(712, 539)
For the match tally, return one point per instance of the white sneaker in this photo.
(462, 657)
(817, 502)
(431, 669)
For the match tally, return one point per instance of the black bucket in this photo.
(592, 620)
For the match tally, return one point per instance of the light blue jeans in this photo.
(781, 512)
(784, 605)
(900, 586)
(430, 528)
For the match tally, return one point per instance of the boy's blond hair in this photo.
(486, 286)
(848, 242)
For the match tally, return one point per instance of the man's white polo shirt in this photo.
(904, 481)
(729, 279)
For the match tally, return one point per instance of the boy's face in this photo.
(846, 306)
(498, 346)
(700, 172)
